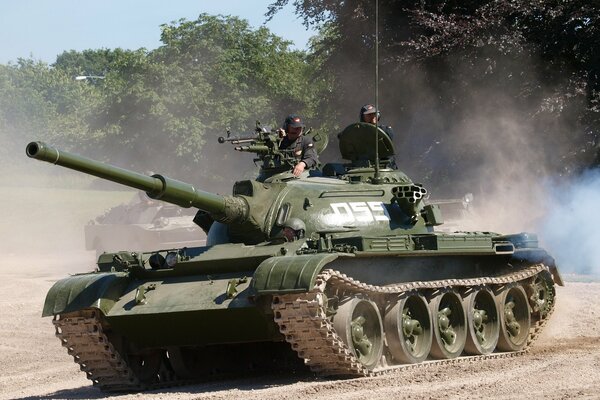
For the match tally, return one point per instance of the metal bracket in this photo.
(140, 293)
(232, 286)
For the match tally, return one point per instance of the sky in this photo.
(42, 29)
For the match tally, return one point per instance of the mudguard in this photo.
(280, 275)
(77, 292)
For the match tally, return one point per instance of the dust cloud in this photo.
(507, 175)
(44, 208)
(43, 211)
(572, 222)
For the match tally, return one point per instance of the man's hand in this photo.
(299, 168)
(280, 132)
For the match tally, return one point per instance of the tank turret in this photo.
(258, 209)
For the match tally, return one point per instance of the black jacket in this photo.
(304, 150)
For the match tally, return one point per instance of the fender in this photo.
(77, 292)
(281, 275)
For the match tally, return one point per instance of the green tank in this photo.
(342, 272)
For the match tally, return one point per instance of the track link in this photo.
(302, 319)
(81, 333)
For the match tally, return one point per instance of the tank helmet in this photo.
(297, 225)
(369, 109)
(293, 121)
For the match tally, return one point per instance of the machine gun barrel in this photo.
(223, 208)
(257, 148)
(238, 140)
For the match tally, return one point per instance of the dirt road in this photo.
(564, 363)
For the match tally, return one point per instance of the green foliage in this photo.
(38, 102)
(252, 74)
(210, 74)
(88, 62)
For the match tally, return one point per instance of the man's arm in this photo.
(309, 153)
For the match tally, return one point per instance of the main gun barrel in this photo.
(222, 208)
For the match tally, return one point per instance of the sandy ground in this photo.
(565, 362)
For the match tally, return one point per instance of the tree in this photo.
(41, 103)
(468, 82)
(210, 74)
(88, 62)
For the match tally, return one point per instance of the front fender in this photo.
(281, 275)
(98, 290)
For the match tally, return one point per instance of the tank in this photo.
(368, 286)
(143, 224)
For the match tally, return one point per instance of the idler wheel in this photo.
(187, 362)
(515, 318)
(146, 365)
(358, 323)
(408, 329)
(482, 321)
(449, 325)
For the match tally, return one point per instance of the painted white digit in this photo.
(379, 211)
(342, 213)
(364, 214)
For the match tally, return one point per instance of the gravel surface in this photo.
(564, 363)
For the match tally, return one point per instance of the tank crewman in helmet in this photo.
(294, 229)
(302, 146)
(370, 114)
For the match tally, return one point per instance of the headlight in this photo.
(171, 259)
(156, 261)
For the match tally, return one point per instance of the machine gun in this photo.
(265, 144)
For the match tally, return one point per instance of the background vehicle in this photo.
(457, 213)
(143, 224)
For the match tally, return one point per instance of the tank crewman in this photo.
(294, 229)
(370, 114)
(302, 146)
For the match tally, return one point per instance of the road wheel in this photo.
(515, 318)
(358, 323)
(449, 325)
(408, 329)
(482, 321)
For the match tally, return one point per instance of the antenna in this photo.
(376, 177)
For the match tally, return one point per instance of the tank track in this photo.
(302, 319)
(82, 334)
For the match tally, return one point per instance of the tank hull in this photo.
(192, 310)
(275, 294)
